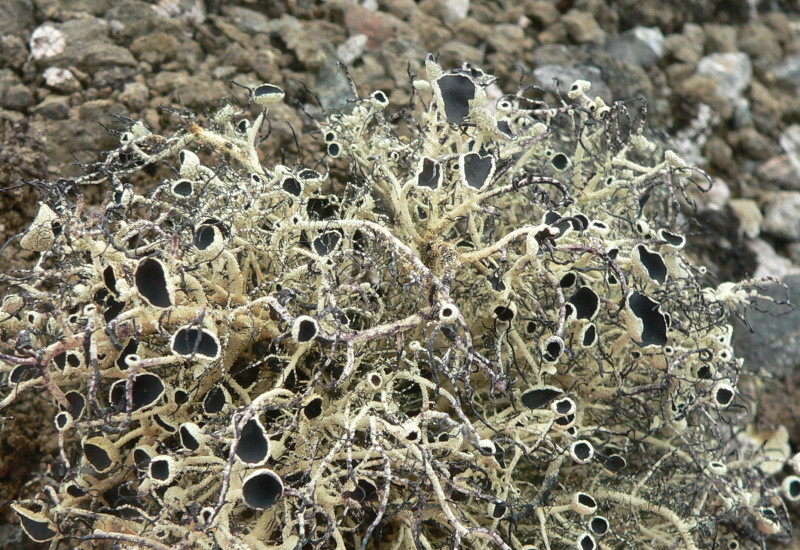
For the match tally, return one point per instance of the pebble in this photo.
(47, 41)
(454, 52)
(352, 48)
(83, 43)
(399, 8)
(770, 263)
(15, 15)
(542, 13)
(54, 107)
(760, 42)
(195, 90)
(790, 142)
(691, 139)
(377, 26)
(135, 96)
(507, 38)
(794, 252)
(780, 172)
(251, 21)
(687, 46)
(786, 71)
(715, 198)
(130, 19)
(13, 52)
(640, 46)
(582, 27)
(113, 77)
(720, 38)
(751, 143)
(781, 215)
(454, 10)
(750, 216)
(428, 30)
(732, 73)
(17, 97)
(155, 48)
(472, 32)
(61, 80)
(766, 109)
(8, 81)
(719, 154)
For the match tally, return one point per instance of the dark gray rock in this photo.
(135, 96)
(7, 79)
(115, 77)
(131, 19)
(782, 216)
(552, 54)
(312, 41)
(54, 107)
(455, 52)
(717, 243)
(196, 91)
(624, 80)
(396, 55)
(332, 88)
(76, 137)
(774, 342)
(155, 48)
(18, 97)
(542, 13)
(15, 16)
(95, 7)
(547, 75)
(251, 21)
(13, 51)
(790, 143)
(67, 9)
(83, 43)
(13, 94)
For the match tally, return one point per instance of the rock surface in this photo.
(771, 344)
(774, 342)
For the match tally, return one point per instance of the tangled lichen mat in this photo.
(466, 322)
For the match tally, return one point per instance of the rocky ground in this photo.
(721, 78)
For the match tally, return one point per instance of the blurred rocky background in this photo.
(721, 79)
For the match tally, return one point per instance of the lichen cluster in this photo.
(486, 335)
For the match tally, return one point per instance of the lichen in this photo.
(486, 335)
